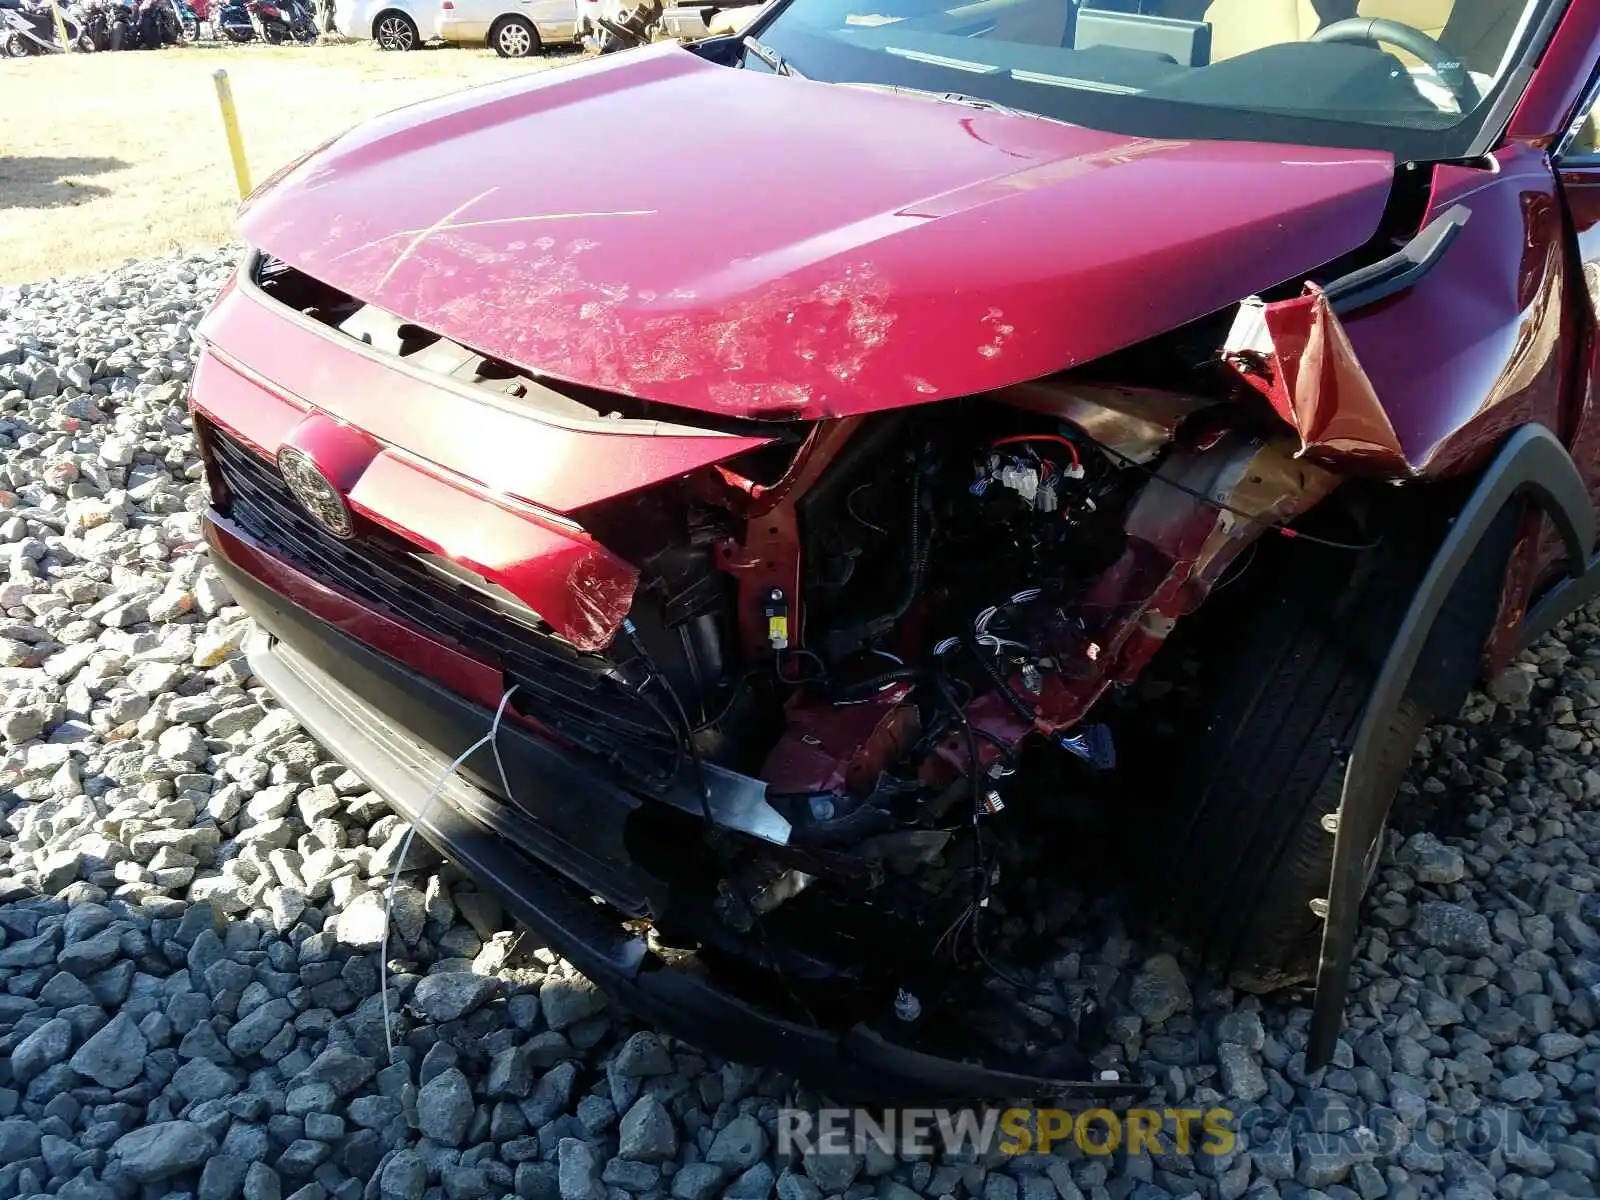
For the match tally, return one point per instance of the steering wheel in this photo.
(1451, 71)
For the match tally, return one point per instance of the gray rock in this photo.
(261, 1183)
(41, 1049)
(567, 1001)
(831, 1171)
(511, 1072)
(694, 1181)
(1242, 1077)
(631, 1176)
(32, 951)
(160, 1151)
(222, 1178)
(647, 1133)
(451, 995)
(578, 1171)
(464, 1183)
(445, 1107)
(1160, 990)
(643, 1056)
(738, 1146)
(1451, 928)
(404, 1177)
(341, 1068)
(113, 1057)
(92, 954)
(1431, 861)
(755, 1184)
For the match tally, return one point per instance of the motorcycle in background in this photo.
(302, 21)
(27, 29)
(94, 22)
(143, 24)
(158, 24)
(234, 21)
(188, 19)
(273, 21)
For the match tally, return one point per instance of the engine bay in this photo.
(886, 672)
(913, 629)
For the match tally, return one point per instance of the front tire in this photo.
(395, 31)
(1247, 861)
(514, 37)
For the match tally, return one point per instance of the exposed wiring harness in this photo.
(1024, 438)
(703, 796)
(490, 739)
(1271, 526)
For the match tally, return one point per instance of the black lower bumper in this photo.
(399, 731)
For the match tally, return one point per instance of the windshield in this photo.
(1420, 78)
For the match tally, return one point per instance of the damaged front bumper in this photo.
(399, 730)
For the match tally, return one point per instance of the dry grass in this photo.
(114, 156)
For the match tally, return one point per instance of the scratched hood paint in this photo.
(750, 244)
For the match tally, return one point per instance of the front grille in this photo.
(572, 694)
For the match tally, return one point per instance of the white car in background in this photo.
(393, 24)
(512, 28)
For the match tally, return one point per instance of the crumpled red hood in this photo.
(755, 245)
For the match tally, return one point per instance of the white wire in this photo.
(997, 643)
(490, 739)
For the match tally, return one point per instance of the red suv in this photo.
(913, 457)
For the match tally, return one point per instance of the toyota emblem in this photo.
(316, 493)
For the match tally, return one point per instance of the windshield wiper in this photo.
(948, 97)
(778, 64)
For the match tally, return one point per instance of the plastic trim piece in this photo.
(1403, 269)
(1531, 463)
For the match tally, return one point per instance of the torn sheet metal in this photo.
(1135, 423)
(1297, 354)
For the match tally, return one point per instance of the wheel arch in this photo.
(389, 10)
(1530, 465)
(506, 18)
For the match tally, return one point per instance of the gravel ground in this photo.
(191, 896)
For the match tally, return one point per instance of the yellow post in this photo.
(61, 27)
(230, 126)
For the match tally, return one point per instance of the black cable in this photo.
(777, 667)
(1280, 529)
(703, 794)
(982, 872)
(873, 683)
(738, 690)
(1012, 701)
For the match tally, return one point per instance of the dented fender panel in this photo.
(1424, 382)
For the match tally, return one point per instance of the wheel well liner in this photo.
(1532, 463)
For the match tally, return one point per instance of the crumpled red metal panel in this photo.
(1314, 381)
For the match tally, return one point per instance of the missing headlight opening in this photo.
(920, 632)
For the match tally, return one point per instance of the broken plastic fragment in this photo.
(599, 593)
(1093, 744)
